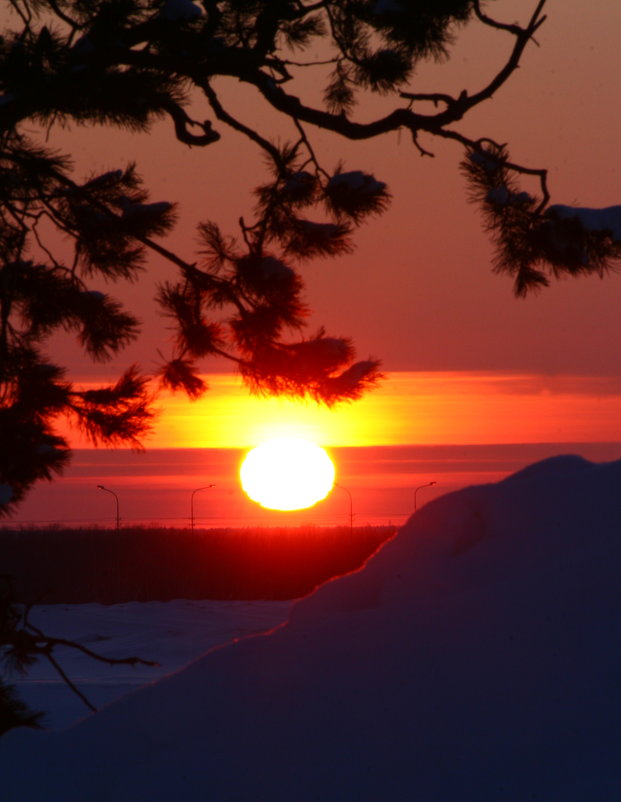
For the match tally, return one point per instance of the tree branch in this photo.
(456, 107)
(523, 36)
(304, 138)
(70, 684)
(516, 30)
(434, 97)
(30, 641)
(476, 145)
(48, 642)
(182, 120)
(231, 121)
(61, 15)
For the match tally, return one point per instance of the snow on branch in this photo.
(606, 221)
(179, 11)
(535, 240)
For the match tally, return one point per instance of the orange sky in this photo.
(441, 414)
(408, 408)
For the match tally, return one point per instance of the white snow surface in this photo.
(299, 180)
(476, 656)
(319, 229)
(169, 633)
(356, 181)
(109, 177)
(485, 160)
(387, 7)
(84, 46)
(274, 268)
(606, 220)
(130, 208)
(179, 11)
(500, 196)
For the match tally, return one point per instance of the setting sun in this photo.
(287, 473)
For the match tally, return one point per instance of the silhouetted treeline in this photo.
(75, 566)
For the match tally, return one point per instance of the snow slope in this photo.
(171, 633)
(475, 657)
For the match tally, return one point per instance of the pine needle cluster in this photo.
(535, 240)
(41, 295)
(245, 296)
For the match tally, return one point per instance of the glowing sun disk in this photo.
(287, 473)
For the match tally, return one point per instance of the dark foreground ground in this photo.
(75, 566)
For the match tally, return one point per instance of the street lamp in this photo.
(116, 498)
(206, 487)
(351, 506)
(420, 487)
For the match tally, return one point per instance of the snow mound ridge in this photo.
(475, 656)
(559, 467)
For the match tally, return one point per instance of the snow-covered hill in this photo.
(476, 656)
(171, 633)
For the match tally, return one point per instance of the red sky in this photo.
(419, 292)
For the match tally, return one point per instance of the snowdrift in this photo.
(475, 657)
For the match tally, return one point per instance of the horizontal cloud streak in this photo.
(409, 408)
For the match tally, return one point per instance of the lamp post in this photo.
(116, 498)
(206, 487)
(420, 487)
(351, 506)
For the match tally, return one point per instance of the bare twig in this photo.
(523, 37)
(181, 122)
(433, 97)
(70, 684)
(419, 147)
(61, 15)
(516, 30)
(231, 121)
(307, 143)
